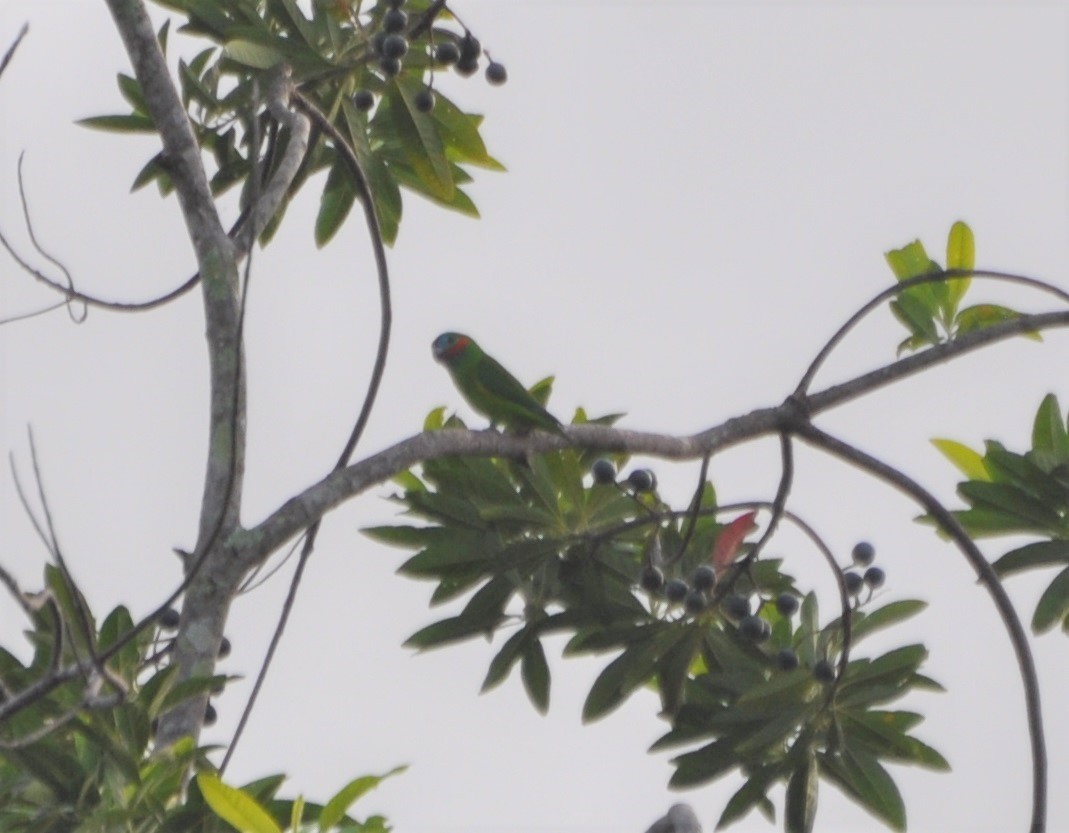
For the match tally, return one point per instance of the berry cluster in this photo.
(638, 481)
(863, 555)
(390, 45)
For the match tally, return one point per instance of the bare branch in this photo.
(77, 318)
(303, 509)
(363, 187)
(179, 143)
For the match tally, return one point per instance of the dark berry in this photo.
(787, 660)
(363, 100)
(394, 46)
(390, 66)
(854, 582)
(604, 471)
(447, 53)
(169, 619)
(642, 480)
(224, 648)
(394, 20)
(676, 590)
(496, 73)
(875, 577)
(696, 601)
(754, 628)
(787, 604)
(210, 715)
(863, 553)
(704, 578)
(652, 579)
(735, 606)
(425, 100)
(470, 49)
(467, 67)
(824, 671)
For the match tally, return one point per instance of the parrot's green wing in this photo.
(512, 403)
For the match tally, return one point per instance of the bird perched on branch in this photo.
(489, 388)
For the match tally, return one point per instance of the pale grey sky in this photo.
(698, 194)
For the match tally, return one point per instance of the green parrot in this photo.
(489, 388)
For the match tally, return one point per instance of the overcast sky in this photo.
(698, 195)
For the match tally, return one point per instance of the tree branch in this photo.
(303, 509)
(1018, 637)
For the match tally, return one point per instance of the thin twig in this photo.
(11, 49)
(77, 318)
(988, 577)
(363, 187)
(891, 291)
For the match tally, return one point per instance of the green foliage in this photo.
(539, 547)
(81, 756)
(931, 310)
(1024, 494)
(332, 55)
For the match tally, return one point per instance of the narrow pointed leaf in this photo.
(335, 809)
(968, 461)
(1048, 430)
(534, 670)
(1053, 605)
(800, 805)
(235, 806)
(1033, 556)
(961, 256)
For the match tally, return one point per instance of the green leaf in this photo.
(133, 123)
(414, 136)
(334, 204)
(1032, 556)
(911, 261)
(535, 673)
(1048, 430)
(877, 732)
(236, 807)
(629, 671)
(460, 135)
(961, 256)
(704, 765)
(503, 660)
(886, 616)
(800, 805)
(868, 783)
(1011, 501)
(752, 793)
(984, 315)
(454, 629)
(335, 809)
(1053, 605)
(917, 316)
(252, 54)
(966, 460)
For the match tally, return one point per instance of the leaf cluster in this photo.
(539, 546)
(81, 757)
(1025, 494)
(931, 311)
(332, 55)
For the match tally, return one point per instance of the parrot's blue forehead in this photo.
(448, 345)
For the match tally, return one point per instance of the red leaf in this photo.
(727, 542)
